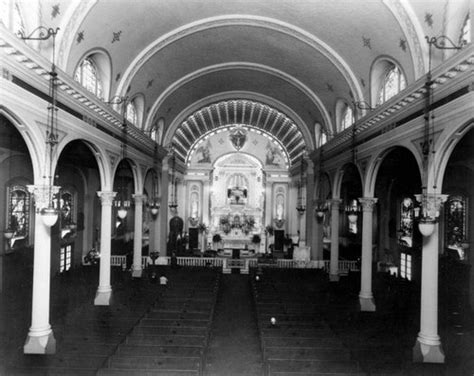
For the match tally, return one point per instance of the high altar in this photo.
(237, 200)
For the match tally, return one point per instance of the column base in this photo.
(367, 304)
(45, 344)
(424, 353)
(334, 277)
(137, 273)
(103, 298)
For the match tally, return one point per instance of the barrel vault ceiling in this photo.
(194, 60)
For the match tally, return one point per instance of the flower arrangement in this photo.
(269, 229)
(256, 238)
(216, 238)
(202, 227)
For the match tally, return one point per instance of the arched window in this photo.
(392, 83)
(131, 113)
(87, 75)
(347, 118)
(465, 36)
(323, 139)
(153, 132)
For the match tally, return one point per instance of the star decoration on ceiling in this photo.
(55, 11)
(221, 141)
(149, 84)
(429, 19)
(80, 37)
(403, 44)
(116, 37)
(117, 77)
(255, 142)
(366, 42)
(330, 87)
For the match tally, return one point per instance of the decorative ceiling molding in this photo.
(232, 95)
(404, 14)
(242, 20)
(71, 22)
(252, 115)
(240, 65)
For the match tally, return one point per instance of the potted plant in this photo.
(256, 239)
(216, 239)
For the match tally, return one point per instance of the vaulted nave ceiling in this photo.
(296, 57)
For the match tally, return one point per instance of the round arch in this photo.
(375, 162)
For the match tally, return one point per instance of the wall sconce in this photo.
(154, 208)
(320, 208)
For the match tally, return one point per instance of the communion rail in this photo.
(244, 264)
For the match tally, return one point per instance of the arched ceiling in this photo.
(301, 55)
(238, 112)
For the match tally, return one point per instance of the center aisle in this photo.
(234, 347)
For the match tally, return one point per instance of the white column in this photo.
(40, 338)
(366, 297)
(163, 216)
(104, 291)
(428, 348)
(334, 264)
(138, 236)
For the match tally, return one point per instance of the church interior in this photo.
(236, 187)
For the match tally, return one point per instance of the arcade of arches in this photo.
(241, 150)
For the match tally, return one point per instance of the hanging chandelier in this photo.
(300, 203)
(49, 214)
(173, 204)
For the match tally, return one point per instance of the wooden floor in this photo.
(192, 325)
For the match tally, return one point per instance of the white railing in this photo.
(227, 263)
(120, 260)
(200, 261)
(117, 260)
(343, 267)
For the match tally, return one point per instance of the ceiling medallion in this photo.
(238, 136)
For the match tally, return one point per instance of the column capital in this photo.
(43, 194)
(139, 198)
(106, 197)
(431, 204)
(368, 203)
(335, 203)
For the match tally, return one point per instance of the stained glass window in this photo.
(87, 75)
(18, 210)
(455, 231)
(347, 118)
(393, 82)
(406, 222)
